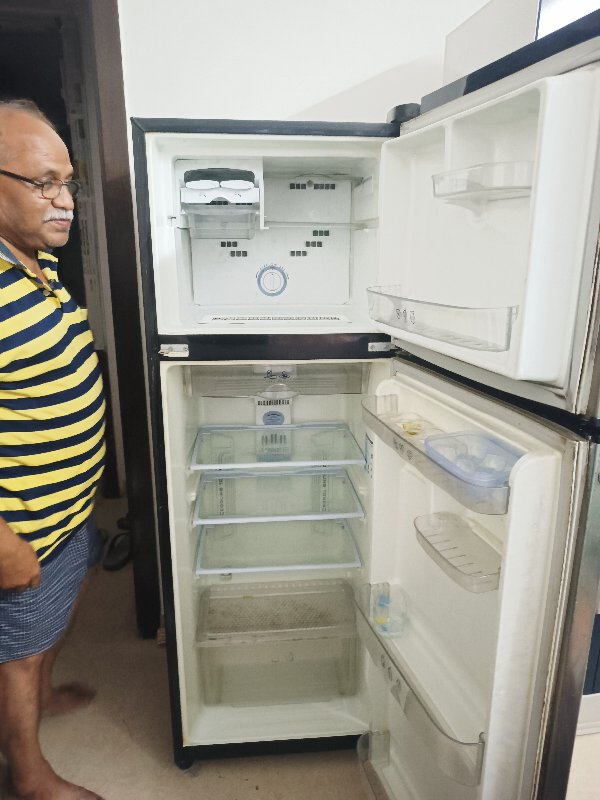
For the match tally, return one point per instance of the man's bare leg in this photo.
(20, 698)
(68, 696)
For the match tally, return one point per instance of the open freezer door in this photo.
(475, 508)
(488, 225)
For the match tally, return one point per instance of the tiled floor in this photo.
(120, 745)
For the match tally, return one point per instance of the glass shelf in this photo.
(454, 545)
(483, 183)
(301, 445)
(325, 544)
(224, 497)
(459, 760)
(474, 328)
(387, 420)
(264, 612)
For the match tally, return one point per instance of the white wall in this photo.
(498, 28)
(269, 59)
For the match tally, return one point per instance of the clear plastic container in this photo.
(301, 445)
(458, 549)
(277, 643)
(277, 546)
(386, 420)
(220, 222)
(252, 613)
(475, 458)
(224, 497)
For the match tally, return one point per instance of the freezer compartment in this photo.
(292, 254)
(279, 643)
(275, 547)
(475, 328)
(233, 496)
(386, 417)
(264, 446)
(461, 761)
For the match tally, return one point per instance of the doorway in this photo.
(65, 56)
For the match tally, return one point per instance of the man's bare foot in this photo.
(51, 787)
(67, 697)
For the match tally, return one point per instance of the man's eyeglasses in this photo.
(50, 189)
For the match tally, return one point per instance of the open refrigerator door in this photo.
(323, 590)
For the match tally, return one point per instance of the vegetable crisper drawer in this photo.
(302, 445)
(265, 644)
(234, 496)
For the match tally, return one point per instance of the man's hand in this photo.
(19, 567)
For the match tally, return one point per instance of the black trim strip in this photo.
(384, 130)
(185, 756)
(279, 347)
(582, 30)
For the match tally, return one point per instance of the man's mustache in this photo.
(59, 213)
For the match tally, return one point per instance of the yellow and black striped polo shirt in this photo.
(51, 407)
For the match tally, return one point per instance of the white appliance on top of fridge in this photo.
(353, 542)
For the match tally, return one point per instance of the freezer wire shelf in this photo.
(252, 613)
(459, 551)
(486, 329)
(277, 546)
(385, 419)
(483, 183)
(459, 760)
(263, 446)
(234, 496)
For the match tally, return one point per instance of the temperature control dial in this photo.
(272, 279)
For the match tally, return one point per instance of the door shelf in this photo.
(388, 422)
(454, 545)
(483, 183)
(257, 613)
(244, 447)
(486, 329)
(234, 496)
(254, 547)
(460, 761)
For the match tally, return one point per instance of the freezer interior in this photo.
(354, 549)
(263, 233)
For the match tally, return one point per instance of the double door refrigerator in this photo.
(373, 405)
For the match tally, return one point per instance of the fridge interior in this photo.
(355, 549)
(262, 233)
(487, 254)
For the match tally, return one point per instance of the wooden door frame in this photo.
(98, 24)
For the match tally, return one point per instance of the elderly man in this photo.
(51, 445)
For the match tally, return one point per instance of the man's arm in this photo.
(19, 567)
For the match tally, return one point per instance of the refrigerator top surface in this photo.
(576, 33)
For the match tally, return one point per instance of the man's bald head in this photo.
(10, 111)
(32, 154)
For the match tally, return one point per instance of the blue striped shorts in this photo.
(33, 620)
